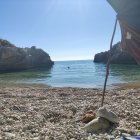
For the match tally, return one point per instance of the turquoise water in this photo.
(83, 73)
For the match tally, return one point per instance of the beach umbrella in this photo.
(128, 15)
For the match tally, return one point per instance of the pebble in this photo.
(10, 135)
(27, 120)
(46, 138)
(62, 137)
(107, 114)
(96, 125)
(126, 134)
(36, 138)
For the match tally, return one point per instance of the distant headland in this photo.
(13, 58)
(117, 56)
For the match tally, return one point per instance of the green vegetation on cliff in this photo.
(6, 43)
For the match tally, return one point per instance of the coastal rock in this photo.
(117, 56)
(14, 58)
(107, 114)
(97, 124)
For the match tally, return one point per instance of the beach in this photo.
(35, 112)
(57, 57)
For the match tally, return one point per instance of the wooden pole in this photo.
(108, 63)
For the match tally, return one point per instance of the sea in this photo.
(77, 73)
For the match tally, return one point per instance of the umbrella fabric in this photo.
(130, 41)
(128, 13)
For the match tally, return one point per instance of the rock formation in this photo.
(108, 114)
(13, 58)
(117, 57)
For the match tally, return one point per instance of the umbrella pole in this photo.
(108, 63)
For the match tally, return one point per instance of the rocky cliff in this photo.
(14, 58)
(117, 56)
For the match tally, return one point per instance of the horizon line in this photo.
(73, 60)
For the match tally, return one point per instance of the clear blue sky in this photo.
(66, 29)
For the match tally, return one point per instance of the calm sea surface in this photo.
(83, 73)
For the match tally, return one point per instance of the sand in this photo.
(30, 112)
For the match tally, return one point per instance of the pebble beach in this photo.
(51, 113)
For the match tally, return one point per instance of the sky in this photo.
(66, 29)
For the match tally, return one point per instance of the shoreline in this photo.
(129, 85)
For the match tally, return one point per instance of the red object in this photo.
(88, 116)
